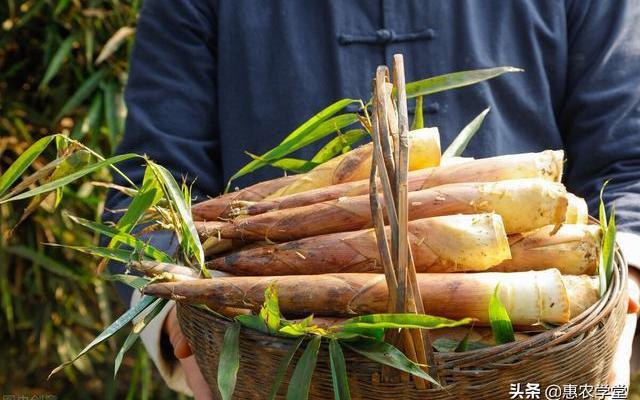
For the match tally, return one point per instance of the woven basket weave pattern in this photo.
(578, 353)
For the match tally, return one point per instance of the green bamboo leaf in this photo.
(56, 62)
(386, 354)
(338, 371)
(461, 141)
(133, 336)
(253, 322)
(602, 212)
(393, 321)
(338, 145)
(149, 195)
(124, 319)
(120, 255)
(136, 282)
(53, 185)
(301, 378)
(23, 162)
(73, 162)
(189, 237)
(464, 344)
(84, 91)
(454, 80)
(605, 269)
(229, 361)
(499, 320)
(109, 90)
(46, 262)
(138, 245)
(282, 368)
(297, 135)
(418, 117)
(270, 311)
(294, 165)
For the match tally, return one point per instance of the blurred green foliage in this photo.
(63, 65)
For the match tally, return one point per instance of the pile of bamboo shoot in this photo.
(470, 226)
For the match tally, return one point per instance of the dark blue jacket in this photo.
(212, 79)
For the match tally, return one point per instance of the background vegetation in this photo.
(63, 65)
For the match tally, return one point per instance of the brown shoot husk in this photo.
(356, 164)
(219, 207)
(439, 244)
(573, 249)
(545, 165)
(529, 297)
(524, 205)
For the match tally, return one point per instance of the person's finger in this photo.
(181, 348)
(195, 380)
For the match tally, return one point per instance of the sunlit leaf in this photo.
(189, 235)
(605, 269)
(454, 80)
(270, 311)
(23, 162)
(461, 141)
(114, 43)
(338, 145)
(53, 185)
(418, 117)
(499, 320)
(388, 321)
(301, 134)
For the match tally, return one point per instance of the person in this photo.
(210, 80)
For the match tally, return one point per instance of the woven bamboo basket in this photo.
(577, 353)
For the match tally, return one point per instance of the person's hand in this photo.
(620, 371)
(183, 353)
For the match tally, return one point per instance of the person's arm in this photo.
(601, 124)
(172, 118)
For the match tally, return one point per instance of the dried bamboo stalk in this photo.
(524, 205)
(355, 164)
(545, 165)
(529, 297)
(440, 244)
(422, 343)
(573, 249)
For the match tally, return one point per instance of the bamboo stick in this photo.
(524, 205)
(440, 244)
(355, 164)
(529, 297)
(573, 249)
(546, 165)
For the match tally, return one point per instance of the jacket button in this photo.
(433, 108)
(384, 35)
